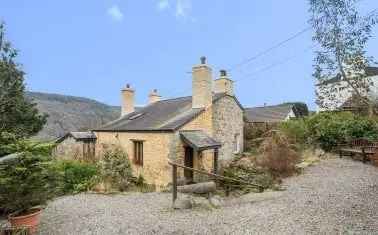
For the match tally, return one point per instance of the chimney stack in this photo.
(127, 96)
(224, 84)
(154, 97)
(202, 85)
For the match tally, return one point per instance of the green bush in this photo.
(77, 176)
(116, 169)
(27, 181)
(296, 130)
(31, 146)
(328, 129)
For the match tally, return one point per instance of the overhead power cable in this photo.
(250, 59)
(273, 65)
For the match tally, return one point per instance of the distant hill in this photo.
(70, 113)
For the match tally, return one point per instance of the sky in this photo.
(93, 48)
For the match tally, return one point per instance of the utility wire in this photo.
(250, 59)
(262, 53)
(271, 66)
(264, 69)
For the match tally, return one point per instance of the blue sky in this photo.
(92, 48)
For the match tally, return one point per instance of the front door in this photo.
(188, 163)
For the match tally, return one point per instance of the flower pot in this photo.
(29, 221)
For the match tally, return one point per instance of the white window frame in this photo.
(237, 143)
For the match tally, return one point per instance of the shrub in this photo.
(34, 147)
(244, 169)
(328, 129)
(253, 133)
(77, 176)
(116, 169)
(277, 155)
(27, 181)
(296, 130)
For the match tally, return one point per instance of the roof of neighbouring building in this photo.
(199, 140)
(370, 71)
(164, 115)
(275, 113)
(78, 135)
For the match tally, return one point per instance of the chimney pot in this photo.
(203, 59)
(224, 84)
(154, 97)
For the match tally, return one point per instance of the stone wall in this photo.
(71, 149)
(203, 161)
(227, 122)
(156, 151)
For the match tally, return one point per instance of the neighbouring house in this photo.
(333, 93)
(275, 113)
(259, 120)
(201, 131)
(76, 146)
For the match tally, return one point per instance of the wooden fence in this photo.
(214, 176)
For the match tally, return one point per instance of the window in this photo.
(237, 143)
(138, 152)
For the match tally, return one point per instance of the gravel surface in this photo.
(334, 197)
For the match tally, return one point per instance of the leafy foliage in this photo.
(77, 176)
(342, 35)
(19, 118)
(296, 130)
(27, 181)
(328, 129)
(116, 169)
(22, 145)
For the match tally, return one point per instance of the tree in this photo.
(19, 118)
(341, 34)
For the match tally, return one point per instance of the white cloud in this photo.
(183, 8)
(163, 5)
(115, 13)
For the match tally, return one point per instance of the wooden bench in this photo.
(362, 147)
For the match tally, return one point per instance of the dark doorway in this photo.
(189, 163)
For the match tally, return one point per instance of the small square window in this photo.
(138, 152)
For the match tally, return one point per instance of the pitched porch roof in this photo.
(199, 140)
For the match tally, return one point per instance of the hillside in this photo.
(70, 113)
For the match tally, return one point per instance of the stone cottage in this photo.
(76, 145)
(201, 131)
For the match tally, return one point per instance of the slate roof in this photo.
(78, 135)
(164, 115)
(199, 140)
(275, 113)
(370, 71)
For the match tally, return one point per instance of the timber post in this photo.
(216, 152)
(364, 157)
(174, 183)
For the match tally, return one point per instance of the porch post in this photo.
(215, 161)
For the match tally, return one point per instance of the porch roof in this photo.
(199, 140)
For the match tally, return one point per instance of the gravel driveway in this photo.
(336, 196)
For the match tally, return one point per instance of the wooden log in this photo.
(200, 188)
